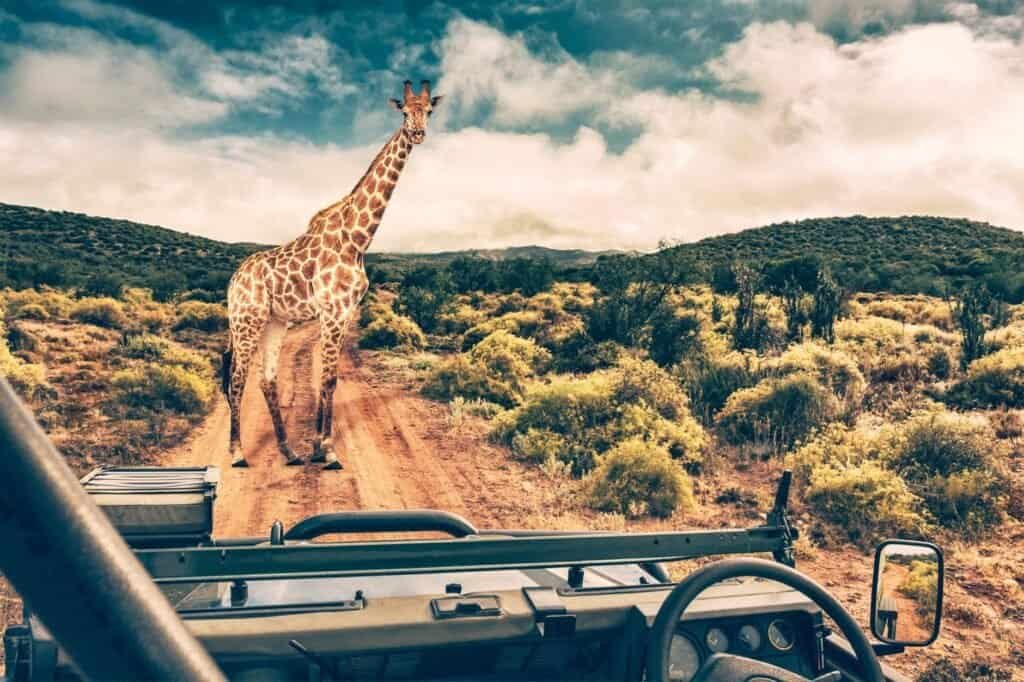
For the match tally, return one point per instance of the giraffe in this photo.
(318, 276)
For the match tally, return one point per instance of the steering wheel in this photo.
(733, 668)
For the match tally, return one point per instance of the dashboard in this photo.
(788, 640)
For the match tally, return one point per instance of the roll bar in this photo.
(75, 571)
(408, 520)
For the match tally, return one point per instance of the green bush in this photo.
(992, 381)
(866, 500)
(392, 331)
(206, 317)
(154, 348)
(711, 379)
(833, 368)
(31, 311)
(29, 380)
(155, 386)
(922, 585)
(496, 370)
(836, 445)
(102, 312)
(776, 413)
(637, 477)
(523, 323)
(958, 466)
(55, 303)
(575, 420)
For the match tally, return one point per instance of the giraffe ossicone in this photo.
(318, 276)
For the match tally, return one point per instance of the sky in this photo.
(569, 123)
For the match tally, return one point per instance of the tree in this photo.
(470, 273)
(750, 329)
(672, 336)
(633, 289)
(792, 280)
(969, 314)
(103, 284)
(529, 276)
(826, 305)
(424, 294)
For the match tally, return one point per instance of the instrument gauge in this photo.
(781, 635)
(717, 640)
(683, 659)
(749, 638)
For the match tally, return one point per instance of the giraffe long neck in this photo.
(371, 194)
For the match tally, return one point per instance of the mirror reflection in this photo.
(906, 594)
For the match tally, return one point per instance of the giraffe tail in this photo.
(225, 370)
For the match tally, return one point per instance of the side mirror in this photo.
(906, 593)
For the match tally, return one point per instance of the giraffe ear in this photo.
(435, 100)
(395, 104)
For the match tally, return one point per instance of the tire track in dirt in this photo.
(388, 462)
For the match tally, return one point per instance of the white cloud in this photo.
(925, 120)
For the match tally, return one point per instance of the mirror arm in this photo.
(887, 649)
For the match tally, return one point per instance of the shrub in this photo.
(459, 318)
(996, 380)
(945, 670)
(29, 380)
(836, 445)
(102, 312)
(155, 387)
(538, 445)
(393, 331)
(206, 317)
(154, 320)
(711, 379)
(153, 348)
(636, 478)
(958, 467)
(866, 500)
(777, 412)
(591, 415)
(922, 585)
(56, 303)
(833, 368)
(31, 311)
(524, 323)
(496, 369)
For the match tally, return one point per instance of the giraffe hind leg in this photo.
(332, 335)
(273, 337)
(243, 346)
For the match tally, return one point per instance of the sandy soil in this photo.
(395, 455)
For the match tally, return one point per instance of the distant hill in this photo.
(907, 254)
(38, 246)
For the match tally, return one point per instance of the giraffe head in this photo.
(416, 109)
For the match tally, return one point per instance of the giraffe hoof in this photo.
(294, 460)
(240, 463)
(333, 465)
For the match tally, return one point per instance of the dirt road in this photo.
(382, 435)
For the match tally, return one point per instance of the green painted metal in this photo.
(473, 553)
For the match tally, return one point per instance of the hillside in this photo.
(62, 248)
(907, 254)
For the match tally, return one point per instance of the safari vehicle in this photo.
(147, 591)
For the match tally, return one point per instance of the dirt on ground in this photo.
(395, 451)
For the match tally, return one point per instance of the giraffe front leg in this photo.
(331, 337)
